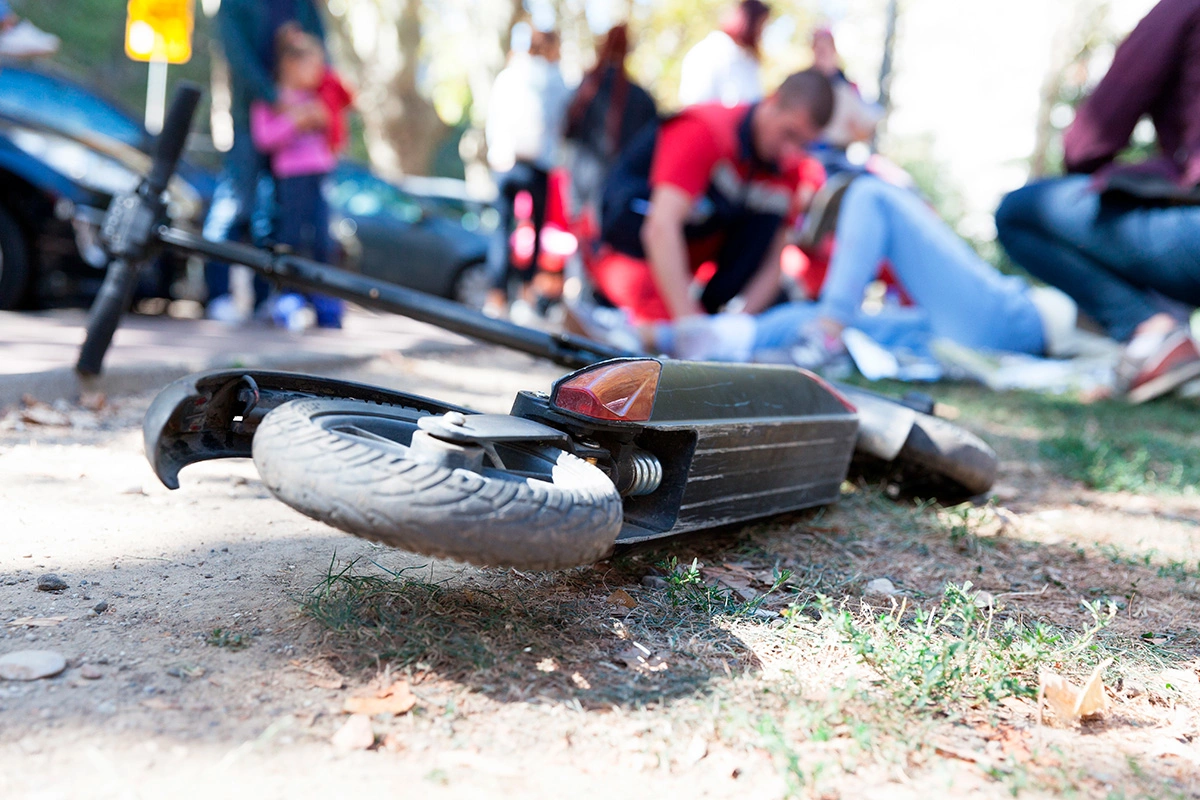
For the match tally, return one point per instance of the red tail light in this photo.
(618, 391)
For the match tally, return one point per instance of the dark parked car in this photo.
(427, 234)
(65, 150)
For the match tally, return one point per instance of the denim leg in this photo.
(5, 11)
(303, 225)
(779, 328)
(232, 205)
(1108, 257)
(499, 255)
(964, 298)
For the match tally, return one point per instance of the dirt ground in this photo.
(214, 672)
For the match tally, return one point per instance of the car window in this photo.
(361, 194)
(62, 105)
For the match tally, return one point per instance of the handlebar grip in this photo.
(173, 137)
(110, 301)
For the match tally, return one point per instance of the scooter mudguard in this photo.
(883, 424)
(213, 415)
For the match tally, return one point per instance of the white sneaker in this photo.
(26, 40)
(1059, 316)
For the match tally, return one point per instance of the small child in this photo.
(296, 134)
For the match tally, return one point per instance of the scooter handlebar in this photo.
(173, 138)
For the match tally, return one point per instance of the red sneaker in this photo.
(1170, 364)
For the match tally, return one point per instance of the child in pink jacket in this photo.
(295, 133)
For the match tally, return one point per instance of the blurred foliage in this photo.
(93, 35)
(664, 30)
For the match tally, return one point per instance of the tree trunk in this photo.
(382, 43)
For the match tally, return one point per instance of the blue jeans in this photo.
(5, 11)
(958, 295)
(1110, 257)
(303, 224)
(232, 215)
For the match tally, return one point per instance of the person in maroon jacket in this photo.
(1124, 239)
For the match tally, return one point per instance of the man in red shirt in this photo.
(710, 185)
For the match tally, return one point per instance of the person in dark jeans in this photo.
(1124, 240)
(247, 30)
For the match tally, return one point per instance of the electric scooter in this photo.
(626, 448)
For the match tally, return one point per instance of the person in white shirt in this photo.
(524, 130)
(724, 66)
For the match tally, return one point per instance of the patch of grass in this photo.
(687, 588)
(230, 640)
(957, 651)
(1176, 569)
(405, 620)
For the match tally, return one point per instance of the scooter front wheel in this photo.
(352, 465)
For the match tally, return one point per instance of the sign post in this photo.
(159, 32)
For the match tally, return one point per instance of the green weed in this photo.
(230, 640)
(957, 651)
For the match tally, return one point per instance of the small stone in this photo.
(90, 672)
(654, 582)
(31, 665)
(882, 586)
(50, 583)
(100, 607)
(356, 734)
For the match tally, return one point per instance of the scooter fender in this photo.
(883, 425)
(213, 415)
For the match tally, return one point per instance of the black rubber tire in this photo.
(14, 263)
(365, 482)
(951, 460)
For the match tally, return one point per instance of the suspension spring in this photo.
(647, 474)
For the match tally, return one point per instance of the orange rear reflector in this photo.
(621, 391)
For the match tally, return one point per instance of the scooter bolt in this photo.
(454, 418)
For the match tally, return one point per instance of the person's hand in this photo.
(310, 116)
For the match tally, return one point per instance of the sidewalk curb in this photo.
(64, 382)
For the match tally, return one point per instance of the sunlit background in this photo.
(978, 91)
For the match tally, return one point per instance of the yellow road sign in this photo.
(160, 30)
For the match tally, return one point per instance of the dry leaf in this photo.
(621, 598)
(738, 580)
(1071, 704)
(36, 622)
(42, 414)
(356, 734)
(397, 699)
